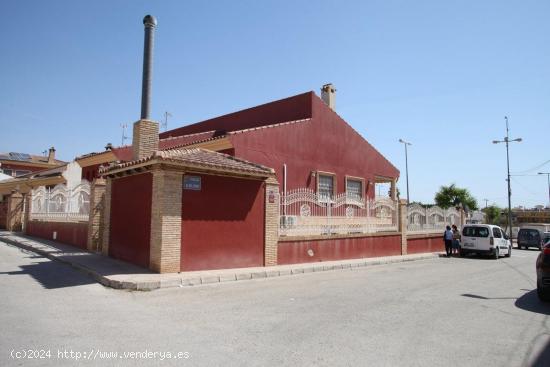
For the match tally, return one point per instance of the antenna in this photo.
(124, 137)
(165, 123)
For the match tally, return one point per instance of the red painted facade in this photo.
(131, 219)
(223, 224)
(295, 252)
(418, 245)
(288, 109)
(70, 233)
(323, 142)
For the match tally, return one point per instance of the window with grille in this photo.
(354, 189)
(325, 187)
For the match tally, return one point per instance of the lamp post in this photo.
(548, 179)
(406, 166)
(507, 140)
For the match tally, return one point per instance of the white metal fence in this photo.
(61, 203)
(304, 213)
(430, 219)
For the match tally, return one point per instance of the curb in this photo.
(223, 276)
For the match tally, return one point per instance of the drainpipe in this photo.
(284, 186)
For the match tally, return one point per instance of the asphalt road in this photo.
(437, 312)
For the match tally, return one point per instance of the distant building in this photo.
(19, 164)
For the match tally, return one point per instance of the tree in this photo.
(451, 195)
(492, 214)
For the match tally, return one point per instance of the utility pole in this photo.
(406, 166)
(507, 140)
(486, 200)
(548, 179)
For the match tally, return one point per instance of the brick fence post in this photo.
(27, 211)
(403, 224)
(271, 221)
(106, 217)
(165, 245)
(15, 212)
(95, 221)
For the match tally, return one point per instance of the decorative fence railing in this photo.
(61, 203)
(430, 219)
(304, 213)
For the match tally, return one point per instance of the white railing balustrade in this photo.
(61, 204)
(304, 213)
(422, 219)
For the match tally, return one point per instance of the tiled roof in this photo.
(200, 158)
(26, 158)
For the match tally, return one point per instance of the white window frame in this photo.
(356, 179)
(318, 179)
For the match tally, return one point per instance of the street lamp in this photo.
(548, 179)
(507, 140)
(406, 166)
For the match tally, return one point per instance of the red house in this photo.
(301, 137)
(206, 196)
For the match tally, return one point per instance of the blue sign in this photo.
(192, 183)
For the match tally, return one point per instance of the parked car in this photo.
(485, 239)
(543, 273)
(530, 237)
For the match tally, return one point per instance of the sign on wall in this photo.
(192, 183)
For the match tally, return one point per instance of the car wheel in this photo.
(509, 252)
(543, 296)
(496, 254)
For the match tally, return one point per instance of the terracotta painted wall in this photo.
(70, 233)
(417, 245)
(288, 109)
(223, 224)
(90, 172)
(338, 249)
(325, 143)
(131, 219)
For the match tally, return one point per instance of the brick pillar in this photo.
(15, 212)
(106, 217)
(165, 251)
(145, 138)
(402, 220)
(27, 210)
(271, 221)
(95, 221)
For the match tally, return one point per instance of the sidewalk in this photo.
(121, 275)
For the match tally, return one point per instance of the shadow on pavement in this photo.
(543, 358)
(52, 275)
(531, 302)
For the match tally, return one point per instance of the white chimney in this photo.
(328, 95)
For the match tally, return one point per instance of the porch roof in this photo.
(195, 159)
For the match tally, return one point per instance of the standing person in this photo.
(448, 238)
(456, 239)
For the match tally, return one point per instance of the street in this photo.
(437, 312)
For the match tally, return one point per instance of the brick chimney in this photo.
(146, 132)
(328, 95)
(51, 155)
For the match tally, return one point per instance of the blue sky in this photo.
(440, 74)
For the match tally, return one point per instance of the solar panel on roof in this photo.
(20, 156)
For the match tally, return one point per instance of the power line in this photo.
(533, 169)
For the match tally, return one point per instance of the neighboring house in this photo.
(19, 164)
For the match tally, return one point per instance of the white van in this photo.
(485, 239)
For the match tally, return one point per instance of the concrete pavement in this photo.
(434, 312)
(121, 275)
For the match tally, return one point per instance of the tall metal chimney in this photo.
(150, 22)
